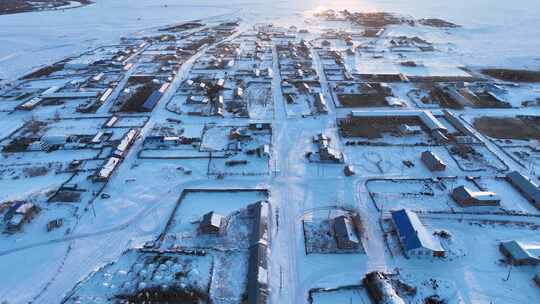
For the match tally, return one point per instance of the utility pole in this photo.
(508, 276)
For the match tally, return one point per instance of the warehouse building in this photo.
(413, 236)
(525, 186)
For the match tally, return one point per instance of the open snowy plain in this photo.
(125, 122)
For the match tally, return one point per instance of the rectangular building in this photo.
(415, 239)
(525, 186)
(467, 198)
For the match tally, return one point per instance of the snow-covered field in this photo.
(177, 159)
(507, 29)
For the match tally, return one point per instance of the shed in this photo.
(105, 172)
(320, 103)
(345, 234)
(349, 170)
(211, 223)
(432, 161)
(406, 129)
(413, 235)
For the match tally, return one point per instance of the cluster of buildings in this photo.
(104, 173)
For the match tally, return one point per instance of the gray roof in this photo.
(527, 187)
(260, 227)
(519, 251)
(431, 159)
(461, 193)
(258, 255)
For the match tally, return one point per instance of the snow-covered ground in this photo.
(507, 29)
(91, 252)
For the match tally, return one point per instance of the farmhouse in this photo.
(432, 161)
(520, 254)
(525, 186)
(466, 198)
(345, 234)
(413, 236)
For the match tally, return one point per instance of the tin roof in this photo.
(412, 233)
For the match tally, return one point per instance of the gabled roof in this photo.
(412, 233)
(520, 251)
(525, 185)
(431, 159)
(463, 193)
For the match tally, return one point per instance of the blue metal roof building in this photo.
(413, 235)
(151, 101)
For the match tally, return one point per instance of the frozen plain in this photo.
(493, 35)
(509, 31)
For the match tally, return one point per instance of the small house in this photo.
(260, 126)
(466, 198)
